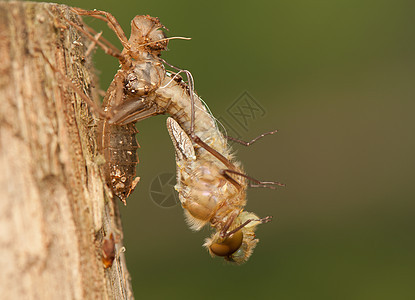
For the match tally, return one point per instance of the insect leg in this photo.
(107, 49)
(263, 220)
(212, 151)
(104, 40)
(134, 111)
(111, 21)
(68, 82)
(191, 84)
(252, 141)
(266, 184)
(223, 232)
(92, 45)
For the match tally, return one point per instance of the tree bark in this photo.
(55, 210)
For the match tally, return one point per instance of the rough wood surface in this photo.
(54, 210)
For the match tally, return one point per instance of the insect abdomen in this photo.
(119, 147)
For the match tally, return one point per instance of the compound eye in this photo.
(229, 245)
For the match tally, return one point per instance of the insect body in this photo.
(210, 197)
(119, 146)
(211, 184)
(108, 251)
(115, 135)
(208, 193)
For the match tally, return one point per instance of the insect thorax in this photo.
(145, 77)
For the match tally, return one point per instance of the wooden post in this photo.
(54, 210)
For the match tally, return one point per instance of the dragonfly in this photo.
(211, 183)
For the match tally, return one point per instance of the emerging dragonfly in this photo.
(211, 184)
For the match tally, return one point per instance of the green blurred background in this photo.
(337, 79)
